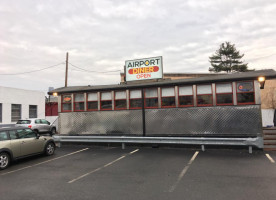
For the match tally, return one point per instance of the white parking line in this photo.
(183, 172)
(98, 169)
(44, 162)
(269, 158)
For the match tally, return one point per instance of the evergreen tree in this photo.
(228, 59)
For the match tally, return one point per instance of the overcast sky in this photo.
(101, 34)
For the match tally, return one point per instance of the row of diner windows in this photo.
(180, 96)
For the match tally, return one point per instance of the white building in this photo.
(18, 104)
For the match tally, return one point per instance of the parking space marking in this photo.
(44, 162)
(106, 165)
(269, 158)
(183, 172)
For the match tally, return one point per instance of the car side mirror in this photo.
(49, 123)
(37, 136)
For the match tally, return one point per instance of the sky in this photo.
(100, 35)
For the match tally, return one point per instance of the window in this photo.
(224, 94)
(245, 92)
(204, 95)
(106, 101)
(0, 112)
(66, 105)
(135, 99)
(23, 122)
(78, 102)
(185, 96)
(32, 111)
(168, 97)
(151, 98)
(13, 135)
(38, 121)
(15, 112)
(26, 133)
(3, 136)
(92, 101)
(120, 100)
(43, 121)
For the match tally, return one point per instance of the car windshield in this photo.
(23, 122)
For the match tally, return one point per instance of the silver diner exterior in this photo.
(227, 106)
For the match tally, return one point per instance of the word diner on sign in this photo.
(143, 69)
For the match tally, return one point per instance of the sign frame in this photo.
(128, 79)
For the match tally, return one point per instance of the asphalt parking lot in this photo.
(98, 172)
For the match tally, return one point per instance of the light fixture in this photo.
(55, 94)
(261, 80)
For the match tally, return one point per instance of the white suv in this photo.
(38, 125)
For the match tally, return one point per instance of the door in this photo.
(29, 142)
(15, 144)
(46, 125)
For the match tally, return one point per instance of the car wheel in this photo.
(36, 131)
(50, 149)
(4, 160)
(53, 131)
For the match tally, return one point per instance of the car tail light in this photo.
(30, 126)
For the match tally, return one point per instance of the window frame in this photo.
(204, 105)
(62, 110)
(114, 96)
(74, 102)
(224, 104)
(185, 95)
(31, 117)
(250, 103)
(106, 100)
(19, 112)
(161, 97)
(1, 110)
(145, 98)
(129, 99)
(87, 94)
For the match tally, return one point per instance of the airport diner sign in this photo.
(144, 69)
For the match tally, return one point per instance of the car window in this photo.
(44, 121)
(13, 135)
(26, 133)
(23, 122)
(3, 136)
(37, 121)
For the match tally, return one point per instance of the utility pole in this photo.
(66, 70)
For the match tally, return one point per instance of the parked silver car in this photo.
(38, 125)
(19, 142)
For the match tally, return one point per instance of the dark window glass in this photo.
(245, 97)
(204, 99)
(92, 105)
(26, 133)
(0, 112)
(168, 101)
(43, 121)
(224, 99)
(106, 105)
(13, 135)
(15, 112)
(186, 101)
(120, 104)
(32, 111)
(3, 136)
(37, 121)
(66, 107)
(135, 103)
(23, 122)
(152, 102)
(79, 106)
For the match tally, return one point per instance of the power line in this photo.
(102, 72)
(33, 70)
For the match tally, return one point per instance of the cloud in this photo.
(101, 34)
